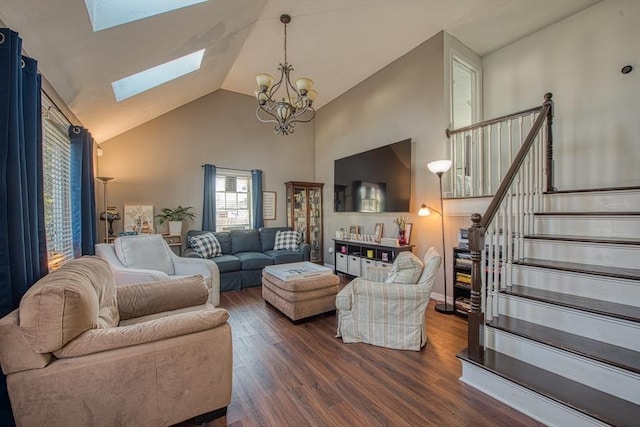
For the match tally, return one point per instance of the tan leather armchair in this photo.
(386, 307)
(80, 351)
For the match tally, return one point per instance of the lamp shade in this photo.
(424, 210)
(304, 84)
(264, 80)
(439, 166)
(312, 94)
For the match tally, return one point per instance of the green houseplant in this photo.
(175, 217)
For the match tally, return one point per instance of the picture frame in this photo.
(354, 229)
(269, 205)
(377, 232)
(138, 219)
(407, 233)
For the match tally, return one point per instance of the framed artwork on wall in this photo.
(138, 219)
(269, 204)
(377, 232)
(407, 232)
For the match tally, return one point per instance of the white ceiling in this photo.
(338, 43)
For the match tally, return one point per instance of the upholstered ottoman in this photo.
(303, 297)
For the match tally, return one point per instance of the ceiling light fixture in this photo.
(296, 105)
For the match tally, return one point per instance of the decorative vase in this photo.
(402, 239)
(175, 227)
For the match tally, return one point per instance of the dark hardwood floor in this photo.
(302, 375)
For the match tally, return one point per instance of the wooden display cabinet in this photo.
(304, 214)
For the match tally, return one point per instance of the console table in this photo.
(352, 257)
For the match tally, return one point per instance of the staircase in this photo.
(560, 336)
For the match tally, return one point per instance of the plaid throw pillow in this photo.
(287, 240)
(205, 245)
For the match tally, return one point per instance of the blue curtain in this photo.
(23, 257)
(209, 208)
(256, 198)
(83, 200)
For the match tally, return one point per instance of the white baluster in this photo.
(489, 167)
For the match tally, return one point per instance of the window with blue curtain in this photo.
(22, 237)
(232, 199)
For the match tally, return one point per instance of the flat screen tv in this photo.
(377, 180)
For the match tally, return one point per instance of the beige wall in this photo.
(597, 109)
(159, 162)
(403, 100)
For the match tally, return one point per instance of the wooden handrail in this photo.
(475, 321)
(517, 162)
(488, 122)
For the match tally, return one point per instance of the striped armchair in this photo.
(372, 311)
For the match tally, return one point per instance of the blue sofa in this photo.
(245, 253)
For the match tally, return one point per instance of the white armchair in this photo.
(148, 258)
(386, 307)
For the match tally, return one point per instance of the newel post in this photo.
(549, 165)
(476, 316)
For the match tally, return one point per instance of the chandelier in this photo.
(296, 104)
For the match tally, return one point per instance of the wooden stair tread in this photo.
(606, 308)
(568, 213)
(599, 405)
(595, 190)
(617, 272)
(593, 349)
(583, 239)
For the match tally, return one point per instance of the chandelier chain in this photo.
(285, 43)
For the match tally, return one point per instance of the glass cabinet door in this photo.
(304, 214)
(315, 223)
(300, 212)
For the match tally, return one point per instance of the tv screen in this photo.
(377, 180)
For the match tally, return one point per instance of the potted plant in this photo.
(175, 218)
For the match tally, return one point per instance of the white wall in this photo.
(159, 163)
(597, 114)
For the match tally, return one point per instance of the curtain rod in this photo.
(231, 169)
(52, 102)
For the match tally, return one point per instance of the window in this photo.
(57, 189)
(233, 199)
(155, 76)
(464, 94)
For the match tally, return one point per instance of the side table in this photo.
(175, 242)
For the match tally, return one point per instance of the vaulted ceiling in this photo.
(337, 43)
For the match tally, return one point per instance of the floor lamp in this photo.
(105, 180)
(439, 167)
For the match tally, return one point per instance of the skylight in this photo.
(147, 79)
(110, 13)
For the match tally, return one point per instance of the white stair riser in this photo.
(582, 285)
(594, 226)
(611, 380)
(613, 331)
(610, 201)
(538, 407)
(623, 256)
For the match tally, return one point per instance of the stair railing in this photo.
(496, 239)
(481, 153)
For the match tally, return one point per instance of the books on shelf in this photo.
(463, 238)
(463, 262)
(463, 277)
(463, 304)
